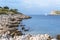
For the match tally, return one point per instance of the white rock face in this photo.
(40, 37)
(54, 39)
(27, 37)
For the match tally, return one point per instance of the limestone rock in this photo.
(10, 23)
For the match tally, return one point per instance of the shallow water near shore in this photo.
(41, 24)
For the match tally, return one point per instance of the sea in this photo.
(43, 24)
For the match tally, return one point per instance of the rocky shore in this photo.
(9, 29)
(9, 23)
(10, 19)
(28, 37)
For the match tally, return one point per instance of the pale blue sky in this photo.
(32, 7)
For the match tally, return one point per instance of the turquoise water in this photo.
(40, 24)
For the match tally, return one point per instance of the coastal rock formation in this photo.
(9, 22)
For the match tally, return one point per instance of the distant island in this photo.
(56, 12)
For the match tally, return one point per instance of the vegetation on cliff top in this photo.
(7, 10)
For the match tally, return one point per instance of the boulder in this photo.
(58, 37)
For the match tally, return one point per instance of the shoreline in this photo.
(6, 35)
(29, 37)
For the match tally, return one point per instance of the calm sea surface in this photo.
(40, 24)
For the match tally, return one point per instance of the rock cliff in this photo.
(9, 23)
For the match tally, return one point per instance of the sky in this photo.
(32, 7)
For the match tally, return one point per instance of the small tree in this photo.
(0, 7)
(14, 10)
(6, 7)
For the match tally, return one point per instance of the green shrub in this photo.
(6, 10)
